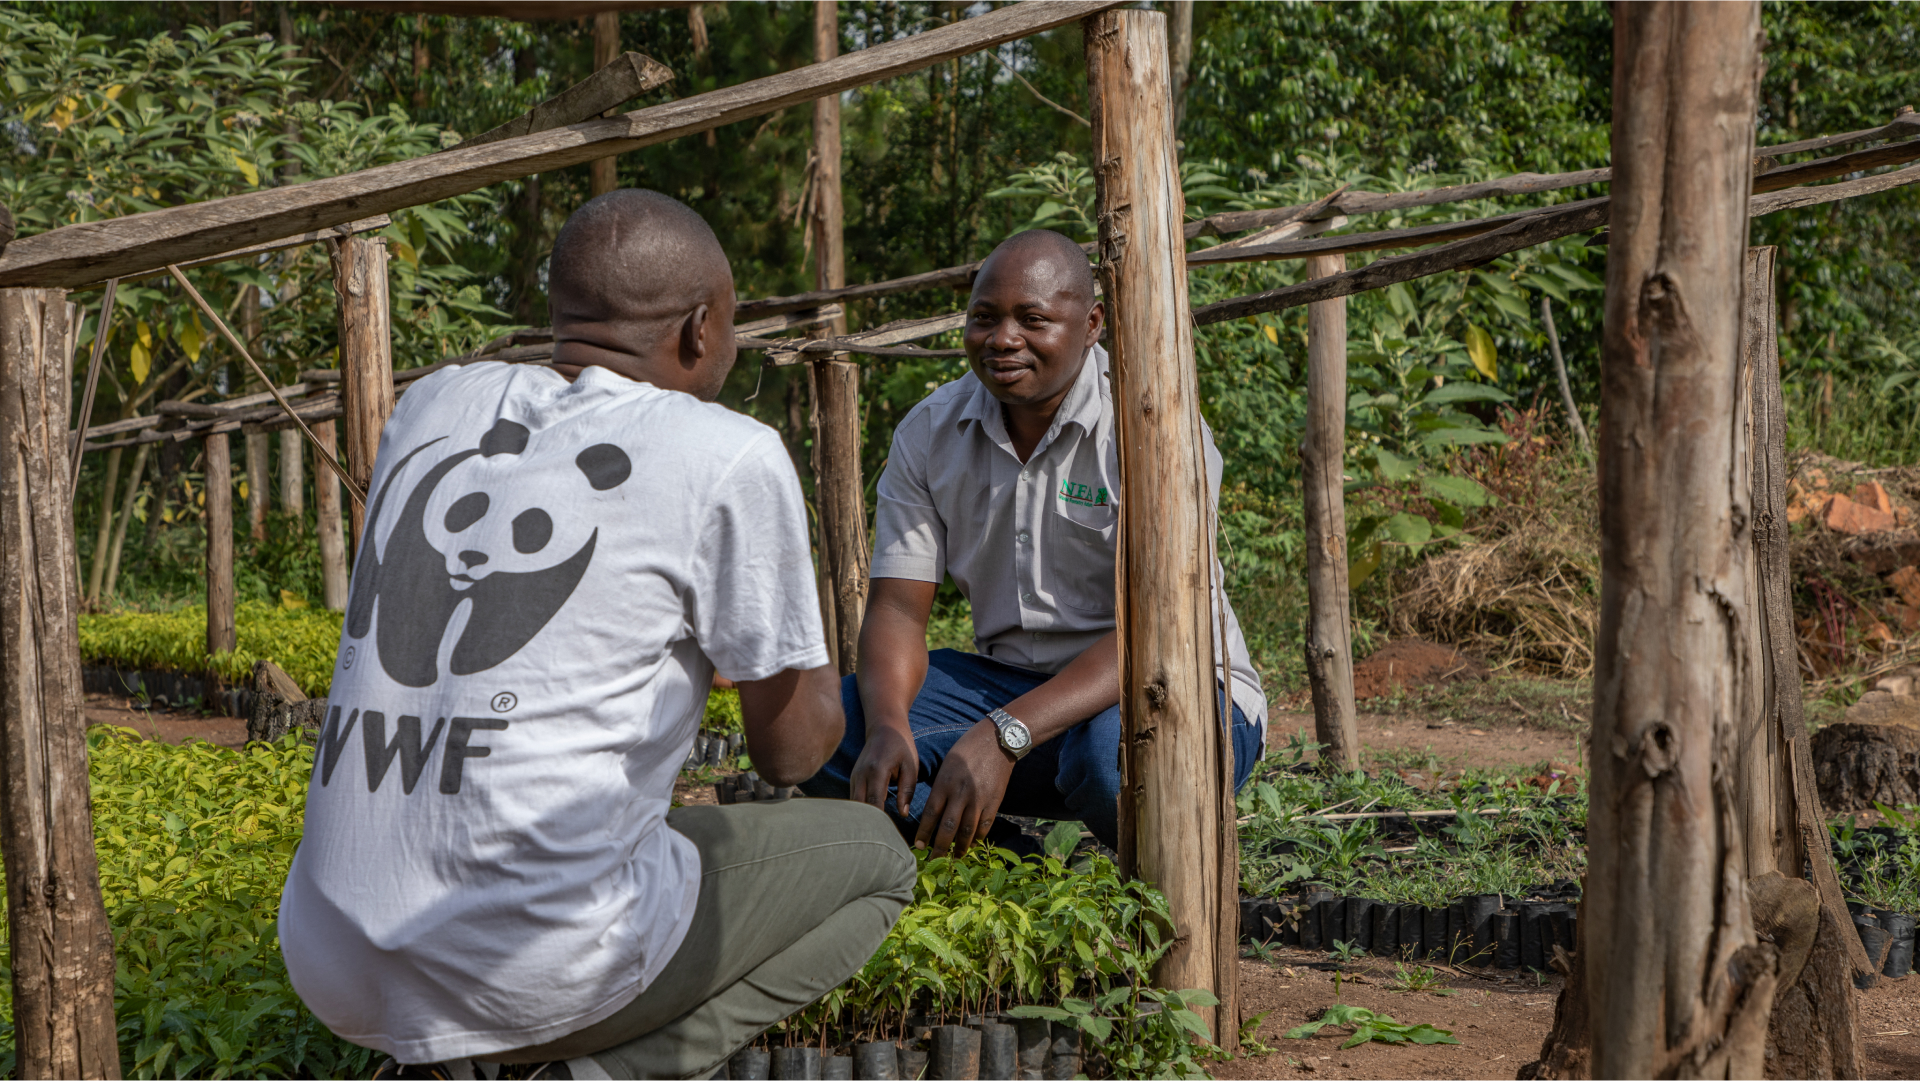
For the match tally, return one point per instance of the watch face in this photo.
(1016, 736)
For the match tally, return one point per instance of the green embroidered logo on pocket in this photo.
(1081, 495)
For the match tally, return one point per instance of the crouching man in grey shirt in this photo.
(1006, 480)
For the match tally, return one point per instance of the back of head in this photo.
(635, 256)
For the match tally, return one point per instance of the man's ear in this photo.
(693, 335)
(1096, 321)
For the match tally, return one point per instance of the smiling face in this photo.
(1031, 320)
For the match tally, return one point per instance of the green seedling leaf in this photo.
(1466, 392)
(1061, 840)
(1455, 437)
(1459, 491)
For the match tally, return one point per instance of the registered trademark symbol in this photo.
(346, 658)
(504, 702)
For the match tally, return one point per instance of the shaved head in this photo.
(1050, 254)
(634, 256)
(638, 284)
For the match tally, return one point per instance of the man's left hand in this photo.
(966, 792)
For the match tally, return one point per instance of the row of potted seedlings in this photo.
(986, 1046)
(1486, 929)
(1491, 929)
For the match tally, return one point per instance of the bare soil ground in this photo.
(168, 727)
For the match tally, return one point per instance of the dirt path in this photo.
(164, 726)
(1499, 1018)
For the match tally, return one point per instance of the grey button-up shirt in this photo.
(1031, 546)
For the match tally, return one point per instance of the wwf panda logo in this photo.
(471, 532)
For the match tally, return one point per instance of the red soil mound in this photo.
(1412, 662)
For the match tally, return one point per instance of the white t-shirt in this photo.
(555, 571)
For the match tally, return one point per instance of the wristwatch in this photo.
(1014, 737)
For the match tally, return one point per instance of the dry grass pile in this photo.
(1524, 592)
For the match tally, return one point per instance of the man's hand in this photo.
(966, 792)
(889, 759)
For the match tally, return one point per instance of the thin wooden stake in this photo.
(359, 495)
(1323, 456)
(366, 360)
(79, 437)
(1574, 420)
(221, 632)
(838, 487)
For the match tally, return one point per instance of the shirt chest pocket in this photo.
(1079, 548)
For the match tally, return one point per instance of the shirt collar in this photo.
(1081, 406)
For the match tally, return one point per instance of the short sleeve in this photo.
(909, 536)
(753, 603)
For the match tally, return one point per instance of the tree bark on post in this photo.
(1675, 978)
(602, 173)
(1814, 1027)
(1175, 829)
(62, 949)
(326, 512)
(293, 477)
(219, 490)
(366, 356)
(838, 485)
(1329, 646)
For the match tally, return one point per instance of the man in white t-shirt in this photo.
(555, 563)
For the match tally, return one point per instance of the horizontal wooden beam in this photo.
(519, 10)
(76, 254)
(629, 76)
(337, 232)
(1353, 203)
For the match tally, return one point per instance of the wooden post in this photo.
(62, 949)
(103, 537)
(1329, 645)
(838, 485)
(219, 490)
(259, 446)
(602, 172)
(366, 356)
(326, 509)
(1814, 1027)
(293, 475)
(121, 522)
(1175, 831)
(1180, 53)
(1676, 982)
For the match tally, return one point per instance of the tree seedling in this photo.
(1345, 953)
(1371, 1027)
(1417, 978)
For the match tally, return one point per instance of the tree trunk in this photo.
(293, 475)
(366, 356)
(1175, 829)
(326, 507)
(61, 947)
(1676, 981)
(602, 172)
(839, 488)
(1329, 644)
(125, 517)
(219, 489)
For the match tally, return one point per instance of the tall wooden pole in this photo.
(366, 356)
(1676, 982)
(1174, 829)
(838, 484)
(258, 443)
(62, 949)
(221, 635)
(1329, 645)
(601, 172)
(326, 512)
(293, 475)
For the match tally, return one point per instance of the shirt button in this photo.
(1023, 536)
(1026, 474)
(1028, 597)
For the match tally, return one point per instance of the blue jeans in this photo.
(1075, 776)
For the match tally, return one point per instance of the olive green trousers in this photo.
(795, 896)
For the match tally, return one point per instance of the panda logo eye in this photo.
(605, 465)
(466, 510)
(532, 529)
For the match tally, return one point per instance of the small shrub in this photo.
(299, 638)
